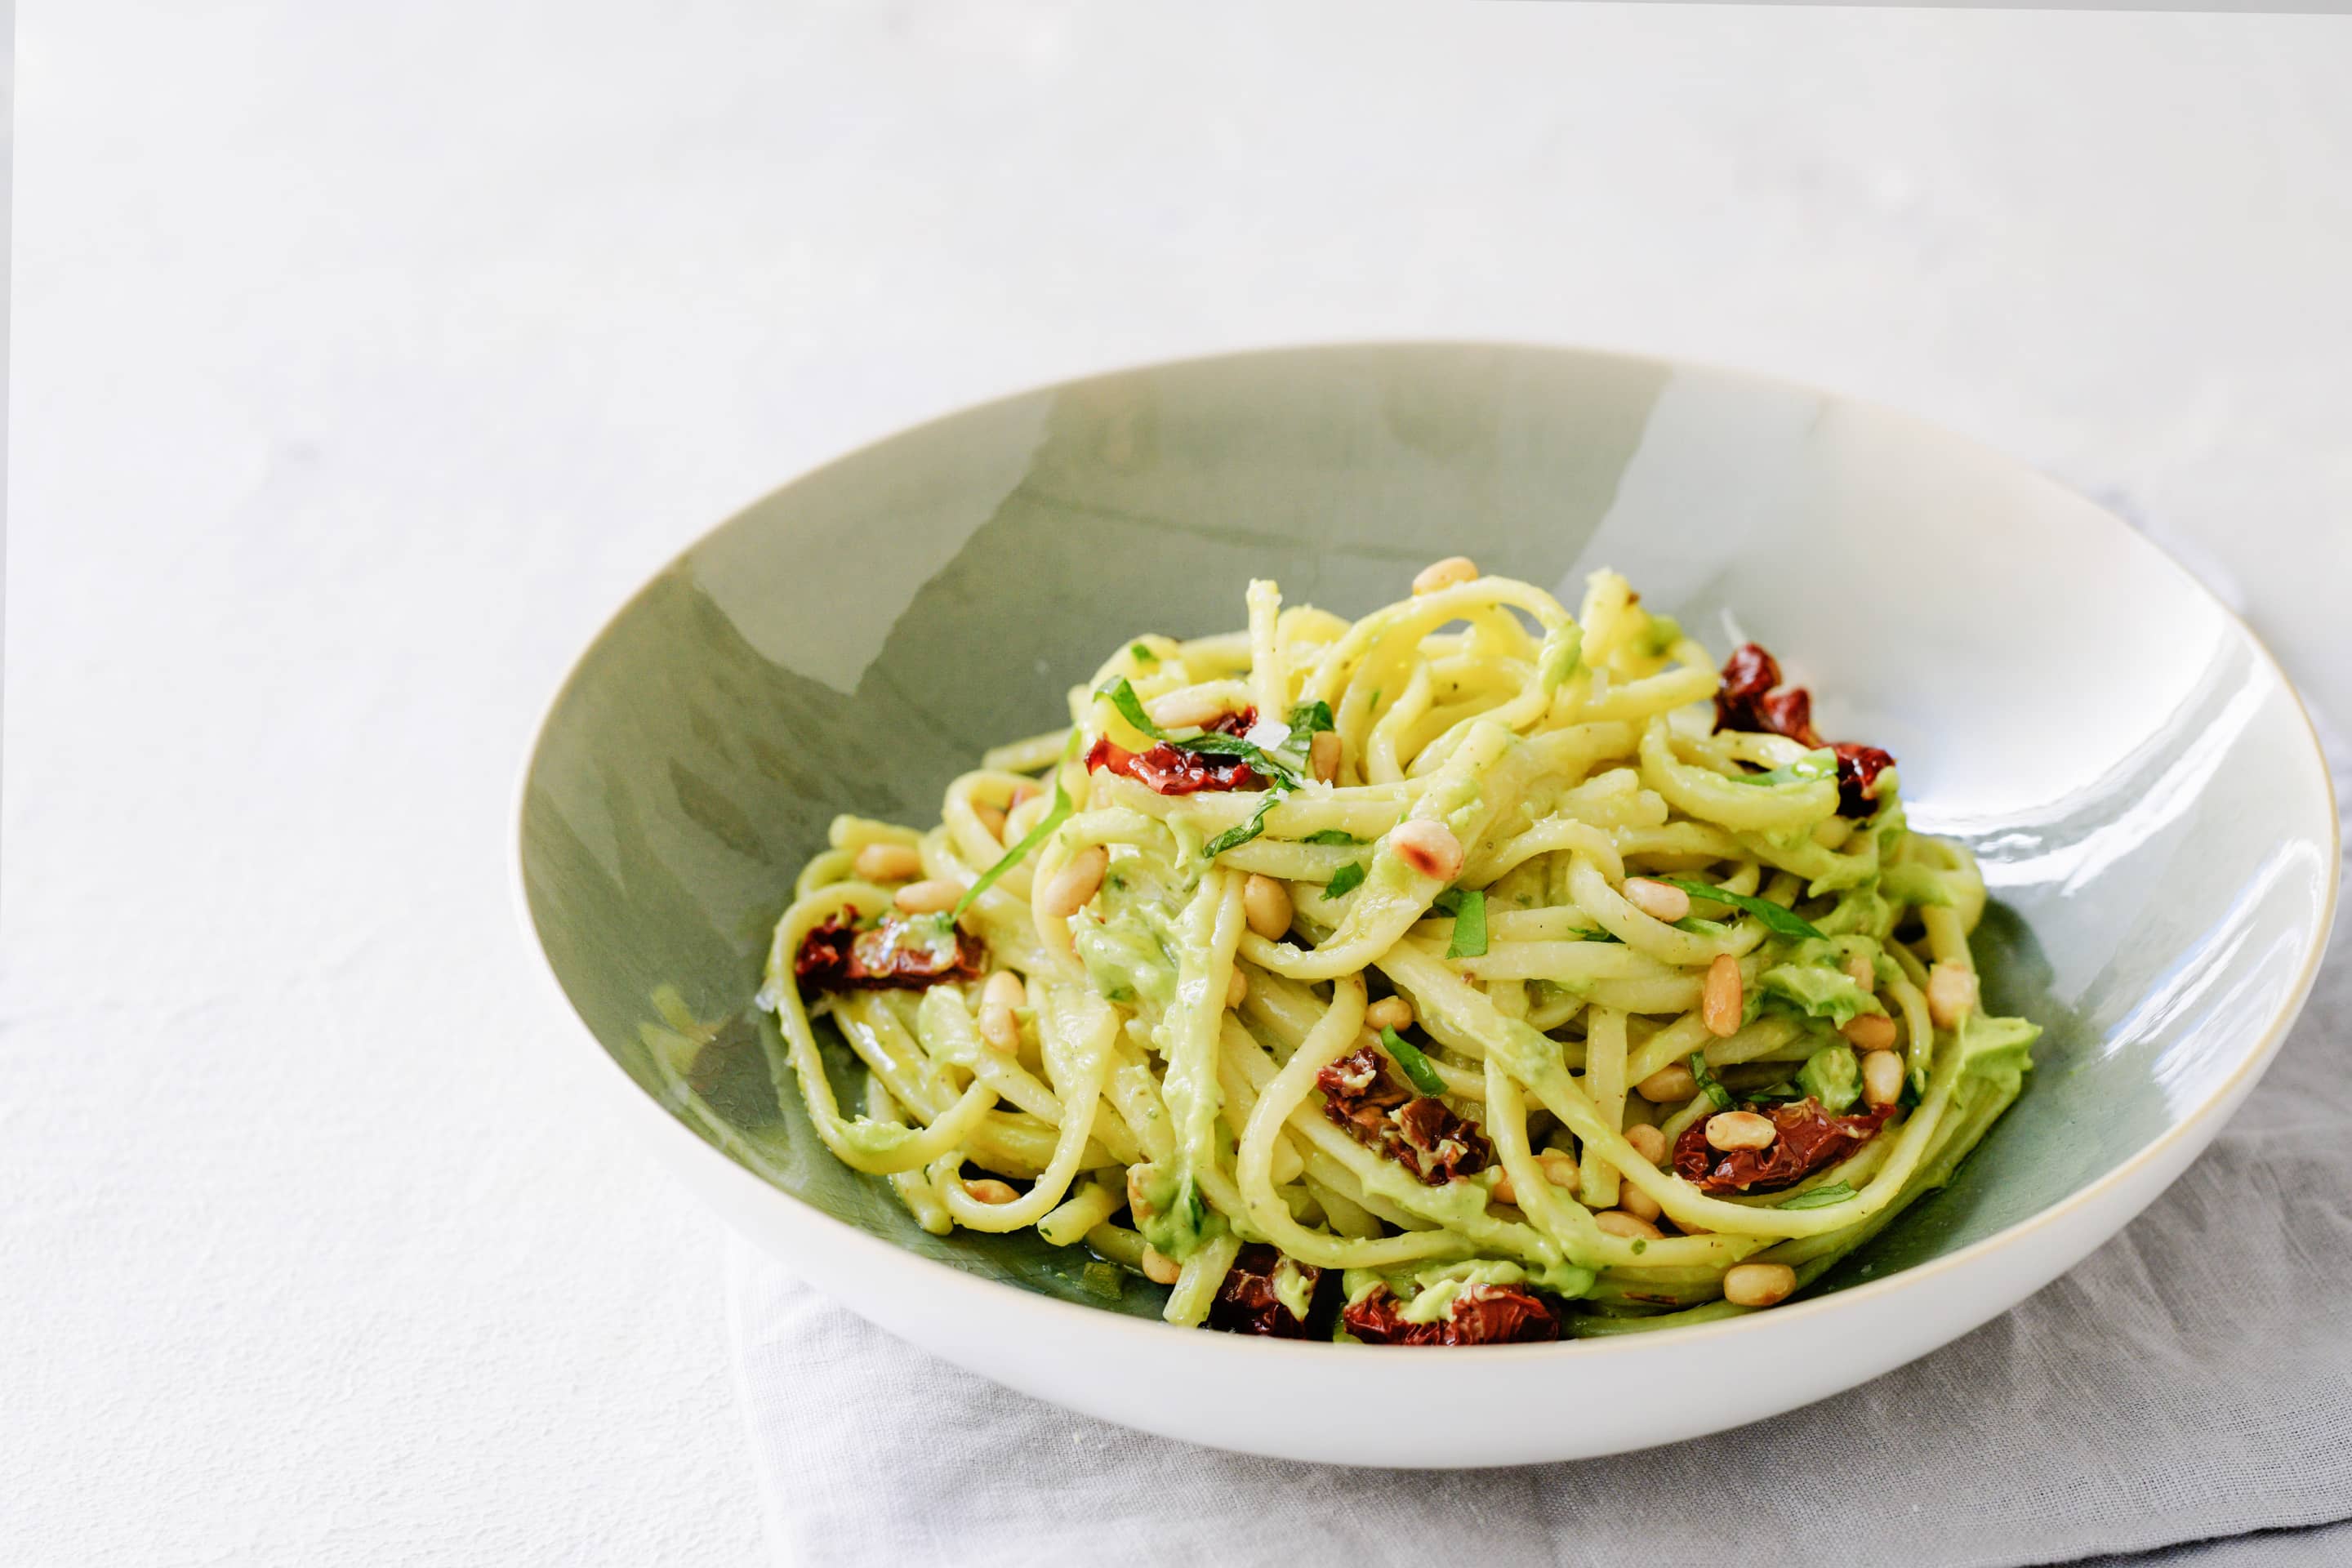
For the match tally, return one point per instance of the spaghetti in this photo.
(1451, 975)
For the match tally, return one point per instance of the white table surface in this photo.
(366, 356)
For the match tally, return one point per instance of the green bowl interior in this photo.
(854, 641)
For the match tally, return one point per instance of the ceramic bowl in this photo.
(2135, 775)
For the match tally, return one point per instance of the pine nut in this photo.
(998, 999)
(930, 897)
(1632, 1228)
(1503, 1191)
(1026, 791)
(1237, 989)
(1869, 1031)
(1075, 884)
(1858, 970)
(1161, 1268)
(1004, 990)
(1656, 899)
(1265, 905)
(1648, 1141)
(1558, 1169)
(989, 1190)
(1429, 847)
(1757, 1284)
(1720, 1002)
(1192, 707)
(1729, 1130)
(1882, 1077)
(992, 818)
(1389, 1012)
(887, 863)
(1670, 1085)
(1637, 1202)
(1323, 755)
(1450, 573)
(1951, 994)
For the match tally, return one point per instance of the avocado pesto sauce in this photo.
(1467, 973)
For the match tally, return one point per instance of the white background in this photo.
(366, 356)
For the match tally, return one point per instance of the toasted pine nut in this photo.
(929, 898)
(992, 818)
(1450, 573)
(887, 863)
(1869, 1031)
(1558, 1169)
(1670, 1085)
(1429, 847)
(1323, 755)
(1004, 990)
(1757, 1284)
(1656, 899)
(1265, 905)
(1193, 705)
(1161, 1268)
(989, 1190)
(1951, 994)
(1503, 1191)
(1389, 1012)
(998, 1026)
(1237, 989)
(1720, 1002)
(1634, 1227)
(1740, 1129)
(1882, 1077)
(1075, 884)
(1026, 791)
(1648, 1141)
(1637, 1202)
(1858, 970)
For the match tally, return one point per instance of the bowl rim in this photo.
(2219, 1100)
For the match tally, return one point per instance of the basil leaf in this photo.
(1468, 907)
(1130, 706)
(1053, 818)
(1820, 1197)
(1234, 837)
(1779, 921)
(1143, 653)
(1213, 743)
(1330, 836)
(1310, 718)
(1708, 1084)
(1346, 879)
(1416, 1066)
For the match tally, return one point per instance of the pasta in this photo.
(1449, 976)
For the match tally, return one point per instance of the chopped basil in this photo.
(1779, 921)
(1820, 1197)
(1416, 1066)
(1346, 879)
(1143, 653)
(1708, 1084)
(1013, 856)
(1468, 907)
(1811, 768)
(1130, 706)
(1330, 836)
(1234, 837)
(1310, 718)
(1213, 743)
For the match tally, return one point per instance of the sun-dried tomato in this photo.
(837, 956)
(1481, 1315)
(1247, 1302)
(1421, 1133)
(1170, 769)
(1807, 1138)
(1745, 701)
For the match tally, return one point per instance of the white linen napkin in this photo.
(2190, 1380)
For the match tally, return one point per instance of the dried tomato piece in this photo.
(1421, 1133)
(1481, 1315)
(837, 956)
(1169, 768)
(1808, 1138)
(1247, 1302)
(1745, 699)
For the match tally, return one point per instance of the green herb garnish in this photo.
(1708, 1084)
(1346, 879)
(1820, 1197)
(1234, 837)
(1779, 921)
(1053, 818)
(1142, 653)
(1468, 907)
(1330, 836)
(1123, 696)
(1811, 768)
(1310, 718)
(1416, 1066)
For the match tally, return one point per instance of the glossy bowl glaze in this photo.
(2148, 801)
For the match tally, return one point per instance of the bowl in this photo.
(2135, 775)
